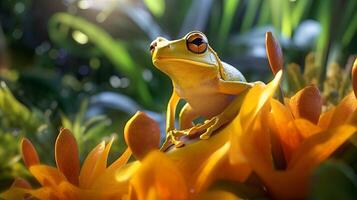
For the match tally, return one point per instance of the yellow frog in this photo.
(208, 85)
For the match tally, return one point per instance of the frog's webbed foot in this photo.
(172, 138)
(209, 126)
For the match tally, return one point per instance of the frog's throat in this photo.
(220, 66)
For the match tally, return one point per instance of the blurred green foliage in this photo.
(58, 56)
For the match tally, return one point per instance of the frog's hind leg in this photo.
(187, 115)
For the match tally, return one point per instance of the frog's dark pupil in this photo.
(197, 41)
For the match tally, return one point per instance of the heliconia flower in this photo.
(94, 180)
(305, 141)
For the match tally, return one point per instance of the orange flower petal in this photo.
(354, 77)
(72, 192)
(274, 53)
(319, 146)
(89, 165)
(325, 118)
(307, 104)
(217, 194)
(108, 177)
(45, 193)
(343, 110)
(281, 124)
(123, 159)
(142, 135)
(293, 183)
(47, 176)
(159, 177)
(67, 157)
(306, 128)
(14, 193)
(29, 154)
(17, 190)
(95, 165)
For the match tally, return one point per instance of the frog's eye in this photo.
(196, 43)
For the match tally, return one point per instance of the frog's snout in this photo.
(159, 41)
(153, 45)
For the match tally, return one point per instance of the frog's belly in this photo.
(209, 105)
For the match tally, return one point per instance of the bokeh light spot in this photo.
(115, 81)
(80, 37)
(19, 7)
(84, 4)
(94, 63)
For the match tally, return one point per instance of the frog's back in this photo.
(230, 73)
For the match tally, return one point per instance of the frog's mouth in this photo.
(166, 62)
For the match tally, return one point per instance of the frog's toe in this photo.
(205, 136)
(179, 144)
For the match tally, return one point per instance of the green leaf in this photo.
(113, 49)
(250, 13)
(333, 180)
(229, 9)
(156, 7)
(301, 7)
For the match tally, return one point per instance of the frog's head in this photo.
(189, 58)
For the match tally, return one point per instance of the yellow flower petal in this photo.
(254, 101)
(94, 165)
(47, 176)
(307, 104)
(66, 155)
(207, 173)
(29, 154)
(191, 159)
(142, 135)
(343, 110)
(158, 177)
(274, 53)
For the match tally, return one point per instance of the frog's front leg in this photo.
(223, 118)
(186, 117)
(171, 135)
